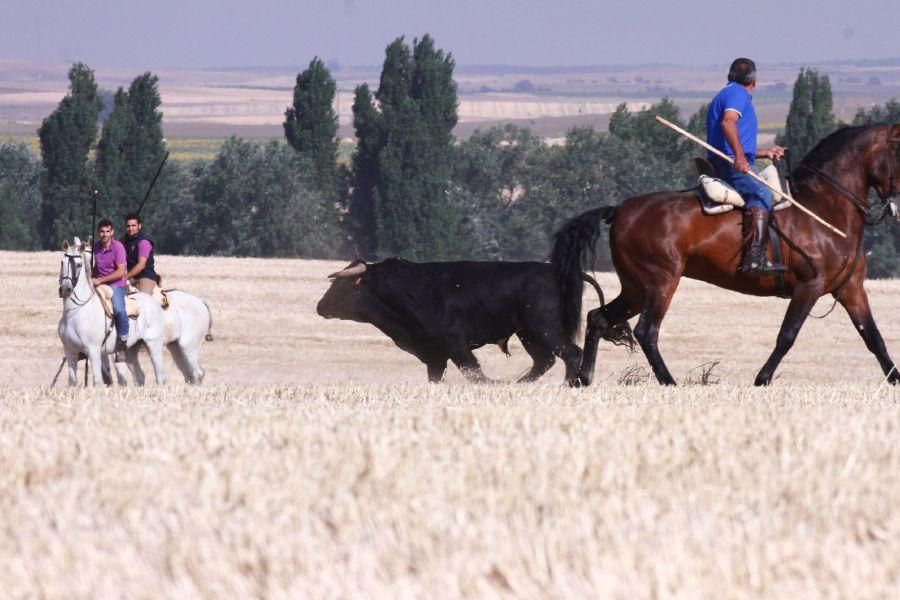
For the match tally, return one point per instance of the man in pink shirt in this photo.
(109, 256)
(139, 255)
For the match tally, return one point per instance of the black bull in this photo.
(441, 311)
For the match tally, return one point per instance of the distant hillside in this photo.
(251, 101)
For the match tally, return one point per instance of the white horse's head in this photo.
(72, 267)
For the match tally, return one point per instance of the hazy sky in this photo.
(217, 33)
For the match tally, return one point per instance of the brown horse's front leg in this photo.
(803, 300)
(856, 302)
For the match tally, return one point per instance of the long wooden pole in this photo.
(724, 156)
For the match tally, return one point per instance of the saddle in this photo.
(158, 294)
(105, 293)
(717, 197)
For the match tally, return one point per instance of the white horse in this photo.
(85, 329)
(188, 322)
(182, 327)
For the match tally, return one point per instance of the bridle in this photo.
(892, 148)
(77, 270)
(863, 206)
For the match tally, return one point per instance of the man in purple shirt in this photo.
(109, 256)
(139, 255)
(732, 128)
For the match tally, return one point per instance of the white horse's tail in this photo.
(209, 335)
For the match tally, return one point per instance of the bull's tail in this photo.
(620, 334)
(573, 248)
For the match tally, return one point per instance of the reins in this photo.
(861, 205)
(78, 302)
(840, 290)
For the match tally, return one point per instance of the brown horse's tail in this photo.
(572, 250)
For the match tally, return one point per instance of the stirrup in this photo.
(121, 348)
(767, 267)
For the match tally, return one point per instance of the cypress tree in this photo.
(144, 149)
(810, 117)
(131, 147)
(405, 151)
(360, 220)
(66, 136)
(110, 162)
(310, 124)
(434, 91)
(397, 214)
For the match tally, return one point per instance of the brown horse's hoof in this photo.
(894, 376)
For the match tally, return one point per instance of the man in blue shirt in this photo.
(732, 128)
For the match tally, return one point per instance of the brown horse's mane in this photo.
(829, 147)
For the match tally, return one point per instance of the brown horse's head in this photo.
(857, 158)
(887, 165)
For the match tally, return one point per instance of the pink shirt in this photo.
(144, 248)
(108, 260)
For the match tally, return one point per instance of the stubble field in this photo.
(315, 460)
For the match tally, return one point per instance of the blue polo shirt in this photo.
(733, 97)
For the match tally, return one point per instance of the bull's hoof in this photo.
(762, 381)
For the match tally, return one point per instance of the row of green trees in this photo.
(410, 188)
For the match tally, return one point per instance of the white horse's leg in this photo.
(192, 355)
(156, 357)
(135, 366)
(180, 361)
(104, 368)
(72, 364)
(121, 372)
(95, 357)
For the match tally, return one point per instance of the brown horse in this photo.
(658, 238)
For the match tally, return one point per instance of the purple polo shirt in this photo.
(144, 248)
(108, 260)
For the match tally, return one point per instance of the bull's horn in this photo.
(352, 271)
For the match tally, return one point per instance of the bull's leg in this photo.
(541, 354)
(466, 362)
(571, 356)
(802, 301)
(436, 370)
(855, 300)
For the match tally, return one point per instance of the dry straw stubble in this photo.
(318, 462)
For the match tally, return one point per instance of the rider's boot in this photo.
(755, 234)
(121, 347)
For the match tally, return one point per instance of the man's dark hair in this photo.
(742, 71)
(133, 217)
(104, 223)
